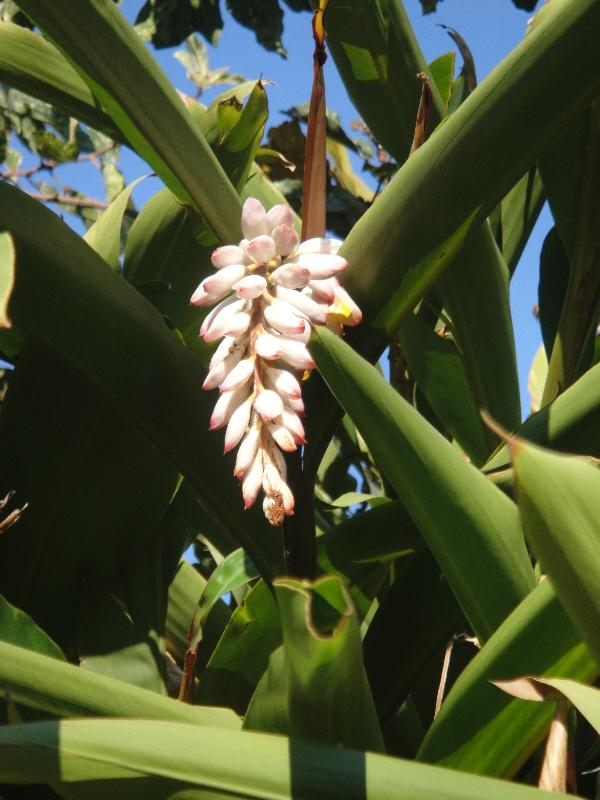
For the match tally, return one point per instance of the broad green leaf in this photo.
(537, 379)
(125, 79)
(480, 729)
(242, 655)
(439, 371)
(30, 63)
(7, 276)
(570, 424)
(228, 764)
(234, 571)
(17, 627)
(104, 236)
(354, 498)
(552, 288)
(51, 687)
(459, 175)
(516, 215)
(559, 501)
(585, 698)
(571, 179)
(63, 287)
(318, 674)
(97, 488)
(462, 517)
(416, 618)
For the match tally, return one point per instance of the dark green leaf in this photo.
(169, 22)
(264, 17)
(17, 627)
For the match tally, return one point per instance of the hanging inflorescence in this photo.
(270, 290)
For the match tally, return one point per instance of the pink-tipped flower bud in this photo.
(282, 437)
(261, 249)
(286, 239)
(222, 370)
(228, 255)
(202, 298)
(252, 480)
(223, 280)
(321, 265)
(284, 318)
(290, 420)
(320, 245)
(280, 214)
(303, 303)
(238, 324)
(247, 451)
(237, 425)
(250, 287)
(216, 321)
(292, 276)
(283, 382)
(295, 353)
(239, 375)
(226, 405)
(267, 346)
(254, 218)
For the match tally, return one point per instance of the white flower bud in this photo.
(267, 346)
(282, 437)
(237, 324)
(292, 276)
(320, 245)
(225, 348)
(216, 323)
(250, 287)
(295, 353)
(237, 425)
(290, 420)
(283, 317)
(203, 298)
(254, 218)
(223, 280)
(283, 382)
(268, 404)
(252, 480)
(286, 239)
(227, 403)
(239, 375)
(222, 370)
(247, 451)
(303, 303)
(261, 249)
(280, 214)
(323, 291)
(321, 265)
(227, 255)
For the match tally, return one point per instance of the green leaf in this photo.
(82, 466)
(30, 63)
(442, 72)
(422, 607)
(227, 764)
(516, 216)
(7, 276)
(129, 84)
(264, 17)
(51, 687)
(559, 501)
(559, 55)
(63, 287)
(462, 517)
(318, 674)
(480, 729)
(242, 655)
(167, 23)
(554, 279)
(184, 592)
(19, 629)
(104, 236)
(436, 365)
(234, 571)
(585, 698)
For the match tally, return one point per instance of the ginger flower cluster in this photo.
(268, 292)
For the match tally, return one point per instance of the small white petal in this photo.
(223, 280)
(252, 480)
(276, 457)
(238, 323)
(237, 425)
(292, 276)
(215, 324)
(283, 318)
(240, 373)
(261, 249)
(226, 405)
(247, 451)
(304, 303)
(283, 437)
(250, 287)
(295, 353)
(254, 218)
(286, 239)
(290, 420)
(227, 255)
(268, 404)
(267, 346)
(283, 382)
(322, 265)
(271, 477)
(222, 370)
(320, 245)
(280, 214)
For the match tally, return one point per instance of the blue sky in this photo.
(490, 27)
